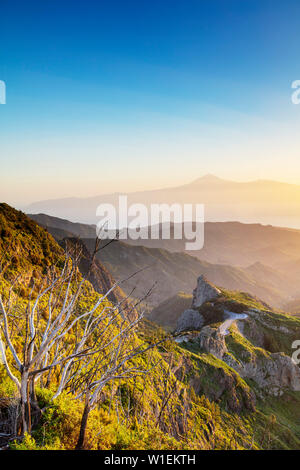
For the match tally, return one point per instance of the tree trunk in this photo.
(25, 403)
(35, 410)
(83, 424)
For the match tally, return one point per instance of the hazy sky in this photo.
(105, 96)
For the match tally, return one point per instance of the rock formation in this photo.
(273, 372)
(212, 342)
(204, 292)
(191, 319)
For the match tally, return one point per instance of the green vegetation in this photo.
(189, 399)
(242, 348)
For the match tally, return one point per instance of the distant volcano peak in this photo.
(209, 178)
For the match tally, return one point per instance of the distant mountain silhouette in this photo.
(262, 201)
(208, 179)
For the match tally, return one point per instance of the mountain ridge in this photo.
(207, 178)
(263, 201)
(176, 270)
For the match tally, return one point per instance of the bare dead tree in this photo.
(114, 362)
(44, 346)
(103, 349)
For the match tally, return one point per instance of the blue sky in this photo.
(124, 95)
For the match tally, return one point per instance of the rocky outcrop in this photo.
(190, 320)
(273, 373)
(211, 341)
(204, 292)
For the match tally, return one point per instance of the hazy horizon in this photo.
(25, 204)
(260, 201)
